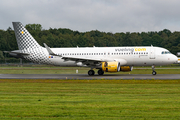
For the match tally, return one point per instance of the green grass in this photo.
(90, 99)
(81, 70)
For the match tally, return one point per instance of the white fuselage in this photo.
(128, 56)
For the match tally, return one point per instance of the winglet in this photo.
(49, 50)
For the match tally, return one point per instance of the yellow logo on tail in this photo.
(22, 32)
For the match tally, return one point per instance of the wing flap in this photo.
(80, 59)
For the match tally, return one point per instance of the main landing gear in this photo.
(91, 72)
(100, 72)
(153, 70)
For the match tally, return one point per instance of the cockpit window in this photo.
(165, 52)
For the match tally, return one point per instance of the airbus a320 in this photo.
(106, 59)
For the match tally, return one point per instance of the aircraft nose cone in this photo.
(174, 59)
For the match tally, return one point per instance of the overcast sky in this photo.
(86, 15)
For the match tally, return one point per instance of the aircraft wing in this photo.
(84, 60)
(93, 61)
(50, 51)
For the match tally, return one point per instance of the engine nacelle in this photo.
(111, 66)
(126, 68)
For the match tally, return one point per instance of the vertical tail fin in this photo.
(23, 37)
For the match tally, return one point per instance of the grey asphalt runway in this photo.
(85, 76)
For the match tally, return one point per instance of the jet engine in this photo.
(126, 68)
(115, 67)
(111, 66)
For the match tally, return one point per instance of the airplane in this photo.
(106, 59)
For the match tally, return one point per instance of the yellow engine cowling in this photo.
(111, 66)
(126, 68)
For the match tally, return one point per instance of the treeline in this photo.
(69, 38)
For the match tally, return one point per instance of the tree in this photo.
(146, 39)
(35, 27)
(1, 55)
(156, 40)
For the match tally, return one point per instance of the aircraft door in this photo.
(152, 53)
(136, 58)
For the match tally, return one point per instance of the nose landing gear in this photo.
(153, 70)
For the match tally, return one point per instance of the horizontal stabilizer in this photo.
(18, 52)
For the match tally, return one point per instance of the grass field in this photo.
(81, 70)
(90, 99)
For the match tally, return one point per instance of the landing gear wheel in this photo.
(153, 69)
(154, 72)
(100, 72)
(91, 72)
